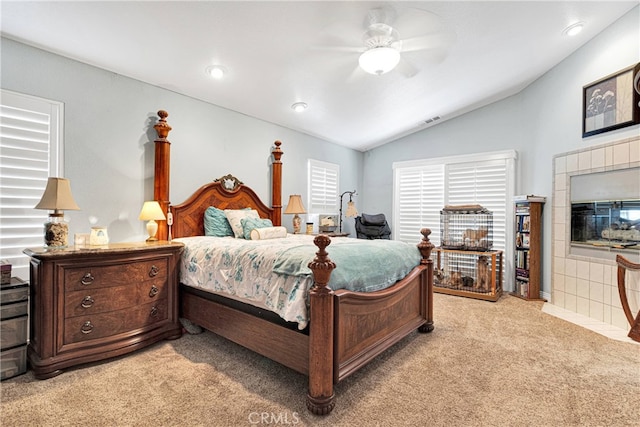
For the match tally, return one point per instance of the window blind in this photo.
(30, 152)
(323, 187)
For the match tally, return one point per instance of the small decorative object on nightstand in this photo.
(93, 303)
(57, 197)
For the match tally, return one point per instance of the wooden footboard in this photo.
(348, 329)
(368, 324)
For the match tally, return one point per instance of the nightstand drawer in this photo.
(84, 328)
(114, 275)
(102, 300)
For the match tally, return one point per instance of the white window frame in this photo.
(31, 150)
(428, 216)
(323, 183)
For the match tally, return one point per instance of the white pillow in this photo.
(235, 215)
(268, 233)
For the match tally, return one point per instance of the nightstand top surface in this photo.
(112, 248)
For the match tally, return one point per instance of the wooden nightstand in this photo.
(92, 303)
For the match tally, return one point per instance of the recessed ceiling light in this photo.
(573, 29)
(299, 107)
(216, 71)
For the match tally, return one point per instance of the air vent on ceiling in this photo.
(432, 119)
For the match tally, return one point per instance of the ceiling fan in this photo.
(389, 33)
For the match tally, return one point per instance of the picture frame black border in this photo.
(635, 117)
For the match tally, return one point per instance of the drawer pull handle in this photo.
(153, 291)
(154, 271)
(87, 301)
(87, 279)
(87, 327)
(154, 311)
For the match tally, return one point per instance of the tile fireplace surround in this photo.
(583, 284)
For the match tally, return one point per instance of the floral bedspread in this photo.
(262, 272)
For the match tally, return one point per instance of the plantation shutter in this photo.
(420, 196)
(485, 184)
(323, 187)
(30, 152)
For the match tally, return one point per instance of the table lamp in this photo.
(295, 207)
(57, 197)
(152, 212)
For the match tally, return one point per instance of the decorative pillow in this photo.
(216, 223)
(249, 224)
(268, 233)
(235, 215)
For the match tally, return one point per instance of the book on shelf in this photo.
(525, 240)
(529, 198)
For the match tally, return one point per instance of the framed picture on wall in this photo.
(611, 102)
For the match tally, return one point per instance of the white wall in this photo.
(108, 138)
(539, 122)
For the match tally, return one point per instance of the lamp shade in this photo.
(379, 60)
(352, 212)
(151, 211)
(295, 205)
(57, 196)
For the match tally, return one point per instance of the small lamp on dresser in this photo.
(295, 207)
(152, 212)
(57, 197)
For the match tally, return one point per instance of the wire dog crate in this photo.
(466, 227)
(468, 273)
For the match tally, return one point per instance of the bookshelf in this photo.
(528, 247)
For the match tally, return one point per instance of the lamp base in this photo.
(152, 229)
(296, 224)
(56, 232)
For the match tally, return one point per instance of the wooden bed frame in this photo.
(346, 329)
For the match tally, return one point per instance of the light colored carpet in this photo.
(485, 364)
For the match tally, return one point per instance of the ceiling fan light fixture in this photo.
(379, 60)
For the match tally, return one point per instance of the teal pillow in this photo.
(249, 224)
(216, 223)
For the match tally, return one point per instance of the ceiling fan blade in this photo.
(414, 22)
(440, 40)
(405, 68)
(342, 49)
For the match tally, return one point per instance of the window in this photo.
(422, 188)
(30, 152)
(323, 187)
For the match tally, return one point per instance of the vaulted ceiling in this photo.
(455, 56)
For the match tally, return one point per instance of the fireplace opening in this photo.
(606, 224)
(605, 212)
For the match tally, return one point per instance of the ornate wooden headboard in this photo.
(226, 192)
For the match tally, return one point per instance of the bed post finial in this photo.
(161, 171)
(321, 399)
(276, 184)
(162, 127)
(425, 246)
